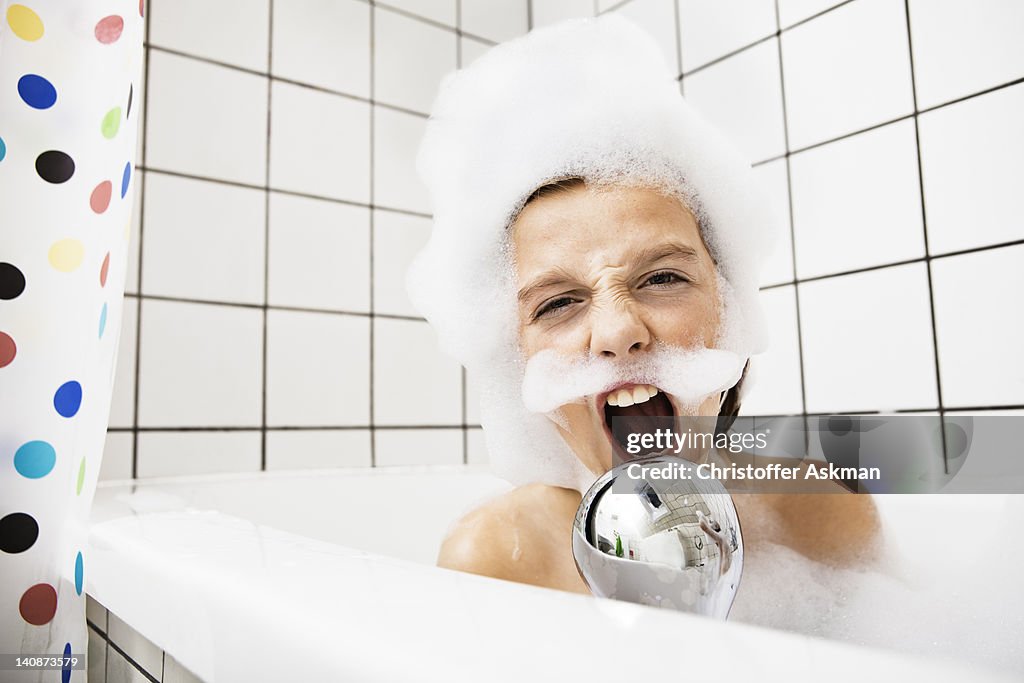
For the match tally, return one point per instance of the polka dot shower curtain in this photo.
(69, 107)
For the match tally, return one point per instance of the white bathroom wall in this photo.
(267, 327)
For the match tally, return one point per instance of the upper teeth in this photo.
(627, 397)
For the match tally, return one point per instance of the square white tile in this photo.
(97, 658)
(496, 20)
(471, 50)
(188, 128)
(472, 400)
(413, 382)
(319, 254)
(200, 365)
(857, 202)
(775, 374)
(846, 70)
(418, 447)
(319, 143)
(144, 652)
(174, 672)
(396, 139)
(230, 31)
(137, 111)
(203, 240)
(777, 267)
(657, 17)
(742, 95)
(119, 670)
(972, 162)
(117, 456)
(709, 30)
(867, 341)
(546, 12)
(441, 11)
(792, 11)
(397, 238)
(131, 278)
(323, 43)
(399, 80)
(122, 401)
(165, 454)
(317, 448)
(96, 613)
(318, 369)
(980, 327)
(476, 447)
(961, 48)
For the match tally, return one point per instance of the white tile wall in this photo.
(552, 11)
(709, 30)
(227, 220)
(396, 136)
(404, 82)
(495, 20)
(319, 254)
(319, 143)
(857, 202)
(835, 83)
(962, 48)
(318, 369)
(413, 382)
(419, 447)
(324, 43)
(200, 365)
(131, 282)
(188, 128)
(398, 237)
(657, 17)
(979, 323)
(743, 96)
(197, 27)
(972, 156)
(775, 374)
(867, 341)
(867, 338)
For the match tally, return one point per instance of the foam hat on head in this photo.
(589, 97)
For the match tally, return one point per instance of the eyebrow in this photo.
(646, 255)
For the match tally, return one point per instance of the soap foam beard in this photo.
(552, 380)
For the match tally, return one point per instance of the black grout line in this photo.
(141, 195)
(297, 309)
(266, 236)
(462, 368)
(110, 643)
(924, 231)
(373, 196)
(792, 236)
(679, 44)
(290, 193)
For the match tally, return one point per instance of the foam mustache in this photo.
(552, 380)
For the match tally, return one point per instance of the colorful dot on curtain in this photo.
(38, 604)
(108, 29)
(79, 572)
(66, 255)
(55, 167)
(141, 2)
(126, 177)
(111, 123)
(19, 531)
(12, 281)
(131, 92)
(8, 349)
(25, 23)
(104, 269)
(81, 478)
(36, 91)
(3, 149)
(68, 398)
(34, 459)
(103, 320)
(65, 669)
(99, 200)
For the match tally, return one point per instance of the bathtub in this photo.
(329, 575)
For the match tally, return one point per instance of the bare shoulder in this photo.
(513, 536)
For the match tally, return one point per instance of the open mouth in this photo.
(630, 405)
